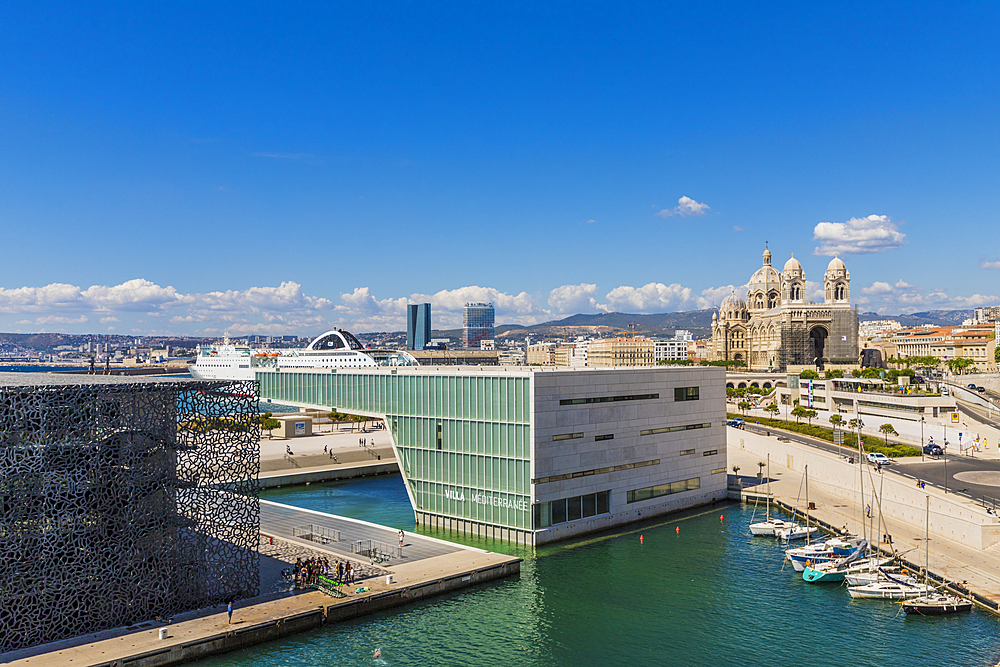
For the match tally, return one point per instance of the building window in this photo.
(554, 512)
(567, 436)
(607, 399)
(686, 452)
(711, 452)
(596, 471)
(608, 436)
(718, 471)
(686, 393)
(650, 492)
(674, 429)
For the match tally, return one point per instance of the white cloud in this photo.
(875, 233)
(988, 264)
(737, 228)
(106, 320)
(713, 296)
(902, 297)
(33, 299)
(653, 297)
(137, 294)
(56, 319)
(685, 207)
(571, 299)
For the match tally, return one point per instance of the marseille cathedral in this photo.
(778, 327)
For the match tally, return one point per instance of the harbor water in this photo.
(706, 594)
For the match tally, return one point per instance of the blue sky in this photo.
(187, 168)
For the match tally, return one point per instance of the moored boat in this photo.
(891, 589)
(936, 604)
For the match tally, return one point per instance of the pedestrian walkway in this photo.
(281, 521)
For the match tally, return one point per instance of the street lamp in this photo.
(921, 438)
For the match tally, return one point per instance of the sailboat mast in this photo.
(768, 503)
(927, 542)
(806, 470)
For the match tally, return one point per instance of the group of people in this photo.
(306, 571)
(363, 442)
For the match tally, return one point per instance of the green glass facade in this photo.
(463, 441)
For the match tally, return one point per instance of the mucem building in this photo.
(536, 455)
(122, 500)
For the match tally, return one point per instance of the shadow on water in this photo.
(708, 594)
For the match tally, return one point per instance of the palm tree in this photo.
(836, 420)
(744, 406)
(773, 409)
(809, 414)
(888, 430)
(799, 412)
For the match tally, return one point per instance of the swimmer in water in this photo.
(378, 653)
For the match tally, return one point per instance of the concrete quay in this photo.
(958, 525)
(445, 568)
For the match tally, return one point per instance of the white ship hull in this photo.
(333, 349)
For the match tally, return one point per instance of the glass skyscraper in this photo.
(477, 324)
(418, 325)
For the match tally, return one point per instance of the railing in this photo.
(376, 551)
(318, 534)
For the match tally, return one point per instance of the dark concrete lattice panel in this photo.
(120, 502)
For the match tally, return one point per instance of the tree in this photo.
(836, 420)
(798, 413)
(772, 409)
(871, 373)
(269, 424)
(810, 414)
(744, 406)
(809, 375)
(833, 374)
(888, 430)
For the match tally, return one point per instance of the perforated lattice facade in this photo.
(120, 502)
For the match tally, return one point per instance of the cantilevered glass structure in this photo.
(530, 455)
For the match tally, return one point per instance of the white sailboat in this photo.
(769, 526)
(795, 532)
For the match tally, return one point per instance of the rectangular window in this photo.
(686, 393)
(651, 492)
(603, 502)
(595, 471)
(567, 436)
(685, 452)
(439, 441)
(674, 429)
(589, 505)
(609, 436)
(711, 452)
(607, 399)
(574, 509)
(558, 511)
(718, 471)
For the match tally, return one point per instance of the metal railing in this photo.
(318, 534)
(376, 551)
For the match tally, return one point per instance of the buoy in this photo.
(678, 530)
(640, 539)
(720, 517)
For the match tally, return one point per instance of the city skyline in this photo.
(190, 170)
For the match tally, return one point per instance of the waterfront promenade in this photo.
(950, 559)
(426, 567)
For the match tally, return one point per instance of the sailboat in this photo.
(937, 603)
(794, 532)
(768, 526)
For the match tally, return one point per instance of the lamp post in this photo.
(921, 438)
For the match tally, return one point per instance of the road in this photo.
(932, 470)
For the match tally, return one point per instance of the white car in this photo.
(878, 457)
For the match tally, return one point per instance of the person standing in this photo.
(229, 610)
(400, 539)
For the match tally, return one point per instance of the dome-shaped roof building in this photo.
(777, 328)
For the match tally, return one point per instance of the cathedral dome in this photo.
(733, 303)
(836, 264)
(766, 275)
(793, 264)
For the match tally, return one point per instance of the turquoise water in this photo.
(708, 595)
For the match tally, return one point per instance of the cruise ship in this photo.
(333, 349)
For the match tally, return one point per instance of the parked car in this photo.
(879, 458)
(981, 390)
(736, 423)
(944, 391)
(971, 386)
(933, 450)
(918, 380)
